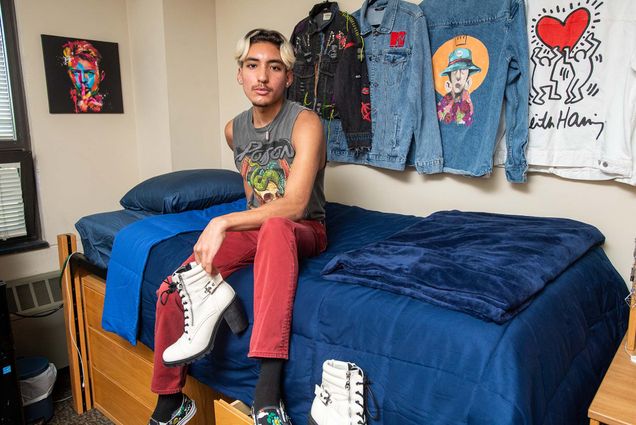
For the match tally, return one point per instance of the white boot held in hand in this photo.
(206, 299)
(340, 398)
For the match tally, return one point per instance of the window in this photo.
(19, 220)
(12, 222)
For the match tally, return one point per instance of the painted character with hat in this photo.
(456, 106)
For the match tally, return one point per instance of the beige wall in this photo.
(175, 84)
(193, 87)
(150, 86)
(609, 206)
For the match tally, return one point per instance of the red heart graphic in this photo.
(554, 33)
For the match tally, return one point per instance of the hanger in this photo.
(326, 4)
(379, 4)
(321, 7)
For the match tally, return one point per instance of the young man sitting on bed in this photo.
(280, 151)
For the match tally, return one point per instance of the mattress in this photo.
(426, 364)
(97, 232)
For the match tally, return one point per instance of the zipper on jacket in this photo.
(317, 69)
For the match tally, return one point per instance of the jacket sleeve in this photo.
(428, 140)
(351, 89)
(516, 95)
(292, 92)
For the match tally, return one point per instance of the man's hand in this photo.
(208, 245)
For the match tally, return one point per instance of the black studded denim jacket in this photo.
(330, 73)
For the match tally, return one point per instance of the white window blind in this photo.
(12, 222)
(7, 121)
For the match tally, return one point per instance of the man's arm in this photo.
(229, 134)
(307, 138)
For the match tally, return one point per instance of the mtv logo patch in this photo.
(397, 38)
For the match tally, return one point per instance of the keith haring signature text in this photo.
(567, 119)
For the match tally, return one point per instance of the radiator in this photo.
(42, 336)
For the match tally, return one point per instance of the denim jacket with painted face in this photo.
(480, 57)
(402, 96)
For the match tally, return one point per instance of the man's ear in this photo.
(290, 78)
(469, 82)
(103, 75)
(239, 76)
(448, 86)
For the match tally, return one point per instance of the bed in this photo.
(427, 364)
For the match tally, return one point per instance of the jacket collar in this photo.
(388, 19)
(326, 6)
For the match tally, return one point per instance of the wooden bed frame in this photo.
(109, 374)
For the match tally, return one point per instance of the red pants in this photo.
(274, 249)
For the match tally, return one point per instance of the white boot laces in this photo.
(359, 404)
(186, 302)
(359, 395)
(357, 398)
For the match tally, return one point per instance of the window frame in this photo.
(19, 149)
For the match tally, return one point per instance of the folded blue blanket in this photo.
(130, 254)
(486, 265)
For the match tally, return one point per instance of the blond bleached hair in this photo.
(265, 36)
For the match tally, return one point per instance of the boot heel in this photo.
(235, 317)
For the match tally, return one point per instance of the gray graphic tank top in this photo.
(264, 157)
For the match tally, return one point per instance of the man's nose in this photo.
(263, 75)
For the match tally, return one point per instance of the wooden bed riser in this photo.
(107, 372)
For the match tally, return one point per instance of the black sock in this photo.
(267, 391)
(166, 405)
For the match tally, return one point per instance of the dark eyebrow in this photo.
(273, 61)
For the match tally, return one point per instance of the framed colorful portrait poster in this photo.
(82, 76)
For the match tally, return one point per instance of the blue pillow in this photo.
(184, 190)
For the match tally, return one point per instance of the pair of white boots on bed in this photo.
(340, 397)
(206, 300)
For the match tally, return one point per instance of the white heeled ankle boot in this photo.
(206, 299)
(340, 398)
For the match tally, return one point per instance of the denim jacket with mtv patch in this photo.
(480, 58)
(330, 73)
(405, 128)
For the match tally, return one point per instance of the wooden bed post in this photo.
(75, 327)
(631, 329)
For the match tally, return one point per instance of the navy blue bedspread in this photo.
(98, 232)
(487, 265)
(427, 364)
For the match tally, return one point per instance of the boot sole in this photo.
(235, 317)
